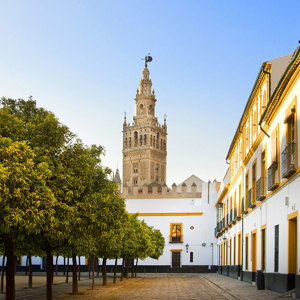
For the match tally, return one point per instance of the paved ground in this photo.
(150, 286)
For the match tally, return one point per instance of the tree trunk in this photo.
(49, 273)
(136, 266)
(2, 274)
(26, 266)
(64, 266)
(115, 270)
(127, 268)
(97, 266)
(89, 266)
(93, 272)
(56, 266)
(67, 271)
(79, 266)
(132, 268)
(29, 271)
(104, 271)
(10, 268)
(74, 281)
(122, 270)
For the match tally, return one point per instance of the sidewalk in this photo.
(237, 289)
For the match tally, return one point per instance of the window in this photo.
(273, 171)
(176, 233)
(246, 192)
(141, 140)
(264, 101)
(263, 173)
(145, 139)
(135, 138)
(191, 257)
(240, 197)
(246, 252)
(263, 249)
(276, 249)
(254, 183)
(288, 154)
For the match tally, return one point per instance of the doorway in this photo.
(292, 244)
(254, 251)
(175, 259)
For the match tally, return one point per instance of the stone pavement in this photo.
(154, 286)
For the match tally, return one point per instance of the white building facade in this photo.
(258, 203)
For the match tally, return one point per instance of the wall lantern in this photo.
(187, 247)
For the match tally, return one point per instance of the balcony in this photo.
(244, 210)
(288, 160)
(272, 178)
(250, 204)
(176, 239)
(260, 195)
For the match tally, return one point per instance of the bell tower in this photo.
(145, 140)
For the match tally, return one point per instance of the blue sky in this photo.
(82, 60)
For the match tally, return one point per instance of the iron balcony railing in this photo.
(244, 210)
(272, 178)
(175, 239)
(288, 160)
(260, 195)
(231, 218)
(250, 204)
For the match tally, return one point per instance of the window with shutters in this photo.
(289, 153)
(273, 170)
(176, 233)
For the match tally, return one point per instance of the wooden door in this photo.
(175, 259)
(253, 252)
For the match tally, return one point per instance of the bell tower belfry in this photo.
(145, 140)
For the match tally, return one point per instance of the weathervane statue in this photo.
(147, 59)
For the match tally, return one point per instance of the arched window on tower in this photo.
(145, 139)
(150, 140)
(135, 138)
(164, 145)
(150, 109)
(125, 143)
(161, 144)
(153, 142)
(157, 138)
(141, 140)
(129, 142)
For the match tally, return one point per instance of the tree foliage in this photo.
(56, 197)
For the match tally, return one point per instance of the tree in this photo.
(22, 120)
(25, 200)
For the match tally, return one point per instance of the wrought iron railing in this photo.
(288, 160)
(272, 178)
(259, 190)
(231, 218)
(176, 239)
(250, 203)
(244, 210)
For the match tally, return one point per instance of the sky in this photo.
(82, 61)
